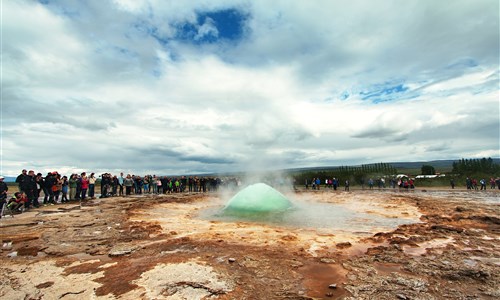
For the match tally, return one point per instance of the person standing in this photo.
(31, 190)
(50, 181)
(57, 188)
(346, 188)
(92, 181)
(3, 190)
(22, 180)
(39, 187)
(72, 186)
(128, 182)
(114, 185)
(120, 184)
(85, 185)
(483, 184)
(64, 189)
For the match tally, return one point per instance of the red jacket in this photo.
(85, 183)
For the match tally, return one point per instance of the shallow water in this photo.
(315, 215)
(488, 196)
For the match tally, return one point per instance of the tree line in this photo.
(473, 166)
(359, 174)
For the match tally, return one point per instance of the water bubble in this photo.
(258, 198)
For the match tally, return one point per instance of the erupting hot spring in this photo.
(257, 198)
(262, 204)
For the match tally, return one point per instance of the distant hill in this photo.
(443, 165)
(401, 166)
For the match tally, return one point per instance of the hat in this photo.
(1, 177)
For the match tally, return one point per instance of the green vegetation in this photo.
(355, 174)
(454, 170)
(476, 166)
(428, 170)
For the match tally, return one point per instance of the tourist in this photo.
(64, 189)
(72, 186)
(346, 188)
(3, 189)
(474, 184)
(468, 183)
(370, 184)
(159, 185)
(3, 193)
(177, 185)
(411, 183)
(92, 181)
(85, 185)
(31, 189)
(22, 180)
(39, 187)
(50, 181)
(452, 183)
(17, 202)
(483, 184)
(57, 187)
(128, 182)
(190, 183)
(120, 184)
(492, 183)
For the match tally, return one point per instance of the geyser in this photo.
(257, 198)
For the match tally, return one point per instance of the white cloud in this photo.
(107, 85)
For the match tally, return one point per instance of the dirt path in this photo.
(158, 248)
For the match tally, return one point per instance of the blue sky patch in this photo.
(213, 26)
(384, 92)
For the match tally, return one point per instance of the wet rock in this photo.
(327, 261)
(289, 237)
(45, 285)
(487, 219)
(447, 228)
(343, 245)
(120, 251)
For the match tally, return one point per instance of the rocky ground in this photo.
(157, 247)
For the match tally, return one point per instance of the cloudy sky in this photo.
(178, 87)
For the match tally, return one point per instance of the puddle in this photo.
(422, 247)
(319, 277)
(488, 196)
(385, 269)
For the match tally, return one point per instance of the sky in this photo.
(189, 87)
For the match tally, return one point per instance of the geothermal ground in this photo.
(430, 244)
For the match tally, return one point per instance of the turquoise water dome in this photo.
(258, 198)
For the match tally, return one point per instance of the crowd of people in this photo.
(334, 183)
(56, 188)
(472, 183)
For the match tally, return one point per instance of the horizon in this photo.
(204, 87)
(261, 172)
